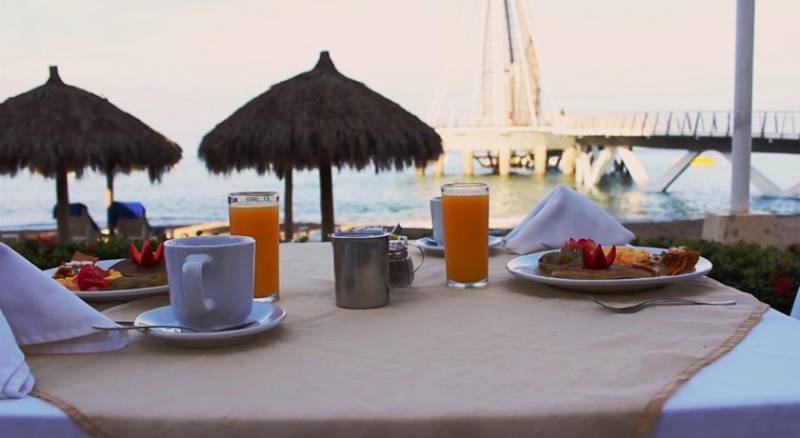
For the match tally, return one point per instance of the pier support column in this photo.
(540, 160)
(638, 173)
(664, 181)
(438, 166)
(598, 168)
(504, 162)
(761, 181)
(583, 165)
(466, 165)
(568, 161)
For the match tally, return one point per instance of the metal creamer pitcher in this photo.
(361, 268)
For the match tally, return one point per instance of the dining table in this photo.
(515, 359)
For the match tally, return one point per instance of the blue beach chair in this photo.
(128, 220)
(82, 227)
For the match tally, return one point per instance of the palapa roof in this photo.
(58, 126)
(317, 113)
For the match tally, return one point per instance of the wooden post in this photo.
(326, 197)
(420, 170)
(109, 187)
(568, 159)
(466, 165)
(438, 167)
(62, 206)
(109, 198)
(504, 162)
(540, 160)
(288, 220)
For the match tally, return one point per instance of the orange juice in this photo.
(465, 217)
(260, 222)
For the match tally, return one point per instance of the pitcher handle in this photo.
(192, 275)
(421, 252)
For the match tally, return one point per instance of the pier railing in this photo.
(766, 124)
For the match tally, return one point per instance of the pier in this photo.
(509, 131)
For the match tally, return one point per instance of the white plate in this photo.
(430, 245)
(100, 296)
(527, 267)
(266, 316)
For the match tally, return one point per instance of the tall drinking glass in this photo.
(255, 214)
(465, 214)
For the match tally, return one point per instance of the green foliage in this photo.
(45, 254)
(771, 274)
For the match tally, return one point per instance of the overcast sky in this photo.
(183, 66)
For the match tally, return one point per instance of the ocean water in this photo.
(189, 194)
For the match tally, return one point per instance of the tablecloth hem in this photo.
(652, 411)
(78, 417)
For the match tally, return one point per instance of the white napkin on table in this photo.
(44, 317)
(16, 379)
(563, 214)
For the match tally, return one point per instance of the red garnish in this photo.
(146, 258)
(596, 259)
(92, 277)
(579, 244)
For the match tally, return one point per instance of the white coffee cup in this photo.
(436, 220)
(210, 280)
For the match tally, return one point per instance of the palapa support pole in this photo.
(109, 197)
(288, 220)
(109, 187)
(62, 206)
(326, 197)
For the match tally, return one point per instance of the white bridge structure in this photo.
(507, 129)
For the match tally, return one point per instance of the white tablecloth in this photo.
(753, 391)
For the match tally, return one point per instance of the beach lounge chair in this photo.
(128, 220)
(82, 227)
(10, 238)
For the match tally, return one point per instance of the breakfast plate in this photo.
(527, 267)
(99, 296)
(430, 245)
(264, 316)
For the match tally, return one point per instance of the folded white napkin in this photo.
(47, 318)
(562, 214)
(16, 379)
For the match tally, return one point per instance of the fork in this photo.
(659, 301)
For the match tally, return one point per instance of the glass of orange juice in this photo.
(255, 214)
(465, 216)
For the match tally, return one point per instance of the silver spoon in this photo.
(128, 325)
(659, 301)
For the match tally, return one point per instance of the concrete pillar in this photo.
(540, 160)
(742, 107)
(504, 166)
(466, 165)
(438, 166)
(568, 159)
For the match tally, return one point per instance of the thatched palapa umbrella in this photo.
(318, 119)
(56, 128)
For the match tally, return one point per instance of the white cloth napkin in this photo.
(16, 379)
(562, 214)
(47, 318)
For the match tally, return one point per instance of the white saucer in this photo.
(430, 245)
(265, 315)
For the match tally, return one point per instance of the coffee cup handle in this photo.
(193, 283)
